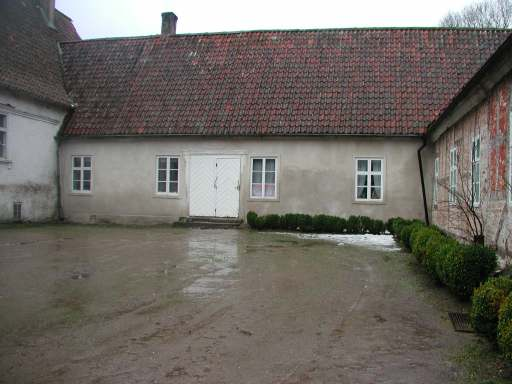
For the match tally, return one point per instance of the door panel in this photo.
(228, 187)
(202, 191)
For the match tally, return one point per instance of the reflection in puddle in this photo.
(216, 261)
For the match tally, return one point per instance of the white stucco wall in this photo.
(29, 173)
(316, 175)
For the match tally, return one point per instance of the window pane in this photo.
(376, 181)
(162, 163)
(2, 121)
(162, 175)
(77, 162)
(257, 177)
(2, 137)
(270, 165)
(362, 192)
(362, 180)
(76, 185)
(87, 186)
(270, 177)
(257, 190)
(76, 175)
(87, 162)
(161, 187)
(270, 190)
(87, 175)
(2, 151)
(257, 164)
(362, 165)
(173, 187)
(174, 163)
(376, 165)
(375, 193)
(174, 176)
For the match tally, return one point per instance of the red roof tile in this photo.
(30, 61)
(347, 81)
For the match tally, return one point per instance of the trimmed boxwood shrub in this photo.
(378, 227)
(504, 335)
(407, 231)
(272, 222)
(466, 267)
(435, 249)
(304, 223)
(251, 218)
(486, 302)
(354, 225)
(419, 240)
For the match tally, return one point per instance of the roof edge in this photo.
(346, 29)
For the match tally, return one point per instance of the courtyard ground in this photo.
(106, 304)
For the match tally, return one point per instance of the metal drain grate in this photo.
(461, 322)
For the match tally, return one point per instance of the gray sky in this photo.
(108, 18)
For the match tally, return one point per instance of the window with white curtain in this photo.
(475, 171)
(453, 176)
(369, 179)
(264, 178)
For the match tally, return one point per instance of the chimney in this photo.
(169, 20)
(48, 10)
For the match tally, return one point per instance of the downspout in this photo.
(58, 139)
(420, 163)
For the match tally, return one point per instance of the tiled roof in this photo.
(30, 61)
(315, 82)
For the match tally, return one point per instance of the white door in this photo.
(228, 187)
(202, 191)
(214, 186)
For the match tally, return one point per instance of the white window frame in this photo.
(168, 175)
(369, 173)
(82, 168)
(452, 190)
(435, 191)
(263, 179)
(475, 163)
(3, 129)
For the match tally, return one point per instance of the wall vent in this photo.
(16, 211)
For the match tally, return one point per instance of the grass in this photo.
(482, 364)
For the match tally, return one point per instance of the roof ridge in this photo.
(354, 29)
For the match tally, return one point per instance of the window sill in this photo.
(369, 202)
(5, 161)
(80, 193)
(163, 196)
(262, 200)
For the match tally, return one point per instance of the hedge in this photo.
(318, 223)
(504, 335)
(460, 267)
(486, 302)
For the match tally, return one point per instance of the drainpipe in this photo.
(420, 163)
(58, 139)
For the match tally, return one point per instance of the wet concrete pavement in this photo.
(86, 304)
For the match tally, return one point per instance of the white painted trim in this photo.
(476, 138)
(452, 167)
(276, 181)
(12, 110)
(369, 173)
(5, 129)
(167, 194)
(73, 168)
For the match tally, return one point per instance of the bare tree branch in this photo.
(482, 14)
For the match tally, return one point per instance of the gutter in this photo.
(58, 139)
(420, 164)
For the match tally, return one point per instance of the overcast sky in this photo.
(109, 18)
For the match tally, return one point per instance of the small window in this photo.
(369, 180)
(453, 176)
(264, 178)
(167, 175)
(436, 180)
(3, 137)
(475, 171)
(82, 174)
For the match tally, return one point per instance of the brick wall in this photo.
(491, 121)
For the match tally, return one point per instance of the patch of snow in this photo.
(378, 242)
